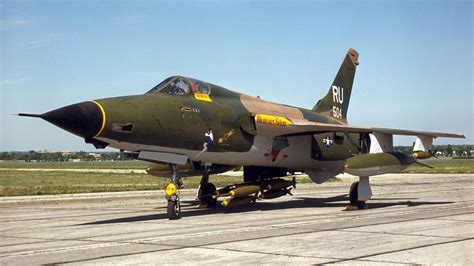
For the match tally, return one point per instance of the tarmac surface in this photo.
(421, 219)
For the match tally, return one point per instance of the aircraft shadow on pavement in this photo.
(340, 201)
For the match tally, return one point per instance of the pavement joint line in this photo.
(326, 220)
(87, 215)
(400, 250)
(339, 218)
(87, 239)
(290, 255)
(207, 245)
(264, 253)
(66, 217)
(174, 247)
(20, 244)
(378, 214)
(156, 239)
(399, 234)
(300, 229)
(110, 256)
(171, 247)
(327, 230)
(256, 228)
(454, 220)
(107, 244)
(62, 249)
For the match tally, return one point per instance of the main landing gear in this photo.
(206, 190)
(359, 193)
(172, 195)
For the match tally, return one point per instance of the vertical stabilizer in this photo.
(336, 102)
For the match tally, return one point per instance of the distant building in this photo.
(97, 156)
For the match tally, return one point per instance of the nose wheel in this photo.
(172, 195)
(174, 209)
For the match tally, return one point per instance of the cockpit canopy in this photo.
(181, 86)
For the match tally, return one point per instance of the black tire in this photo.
(207, 189)
(174, 210)
(354, 195)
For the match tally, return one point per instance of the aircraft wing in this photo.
(417, 133)
(279, 126)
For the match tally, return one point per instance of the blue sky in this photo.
(415, 72)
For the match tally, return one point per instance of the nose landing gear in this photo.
(172, 195)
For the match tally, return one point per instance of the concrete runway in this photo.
(426, 219)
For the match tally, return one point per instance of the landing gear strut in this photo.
(354, 195)
(360, 193)
(206, 189)
(172, 195)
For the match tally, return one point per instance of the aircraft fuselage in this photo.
(175, 123)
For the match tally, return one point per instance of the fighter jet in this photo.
(193, 127)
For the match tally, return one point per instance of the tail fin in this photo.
(336, 102)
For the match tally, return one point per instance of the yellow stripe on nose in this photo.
(104, 119)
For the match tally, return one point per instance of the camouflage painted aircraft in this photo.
(192, 127)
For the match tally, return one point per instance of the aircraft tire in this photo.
(354, 194)
(174, 209)
(207, 189)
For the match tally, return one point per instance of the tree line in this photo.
(62, 156)
(442, 150)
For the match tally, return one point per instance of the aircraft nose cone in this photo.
(83, 119)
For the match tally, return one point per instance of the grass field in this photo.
(19, 183)
(16, 183)
(443, 165)
(77, 165)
